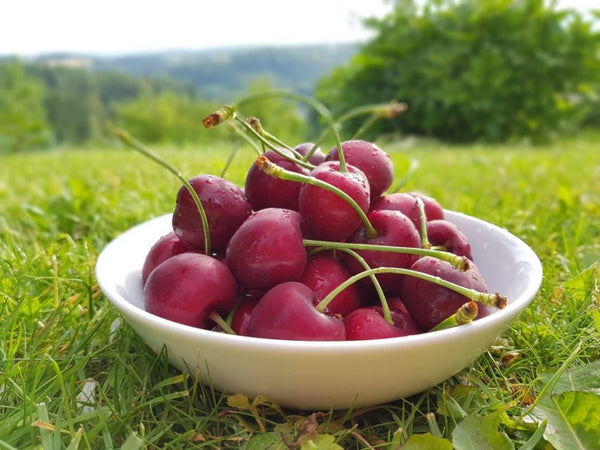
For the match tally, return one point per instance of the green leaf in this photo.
(480, 433)
(585, 377)
(321, 442)
(264, 441)
(426, 441)
(573, 419)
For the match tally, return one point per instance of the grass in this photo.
(60, 338)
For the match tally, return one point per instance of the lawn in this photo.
(72, 374)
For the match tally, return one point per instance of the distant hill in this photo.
(220, 74)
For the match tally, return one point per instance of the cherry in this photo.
(267, 249)
(165, 247)
(226, 207)
(287, 311)
(393, 229)
(406, 203)
(444, 233)
(430, 303)
(241, 317)
(324, 273)
(327, 215)
(368, 323)
(433, 209)
(317, 156)
(373, 161)
(264, 191)
(188, 287)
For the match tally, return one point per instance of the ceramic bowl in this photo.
(325, 375)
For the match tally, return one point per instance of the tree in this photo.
(469, 69)
(23, 122)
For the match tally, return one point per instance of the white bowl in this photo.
(325, 375)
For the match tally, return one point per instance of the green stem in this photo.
(216, 318)
(254, 122)
(271, 146)
(387, 315)
(465, 314)
(139, 147)
(279, 172)
(312, 102)
(423, 222)
(485, 298)
(459, 262)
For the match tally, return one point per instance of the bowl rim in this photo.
(498, 318)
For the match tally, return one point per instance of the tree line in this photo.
(469, 70)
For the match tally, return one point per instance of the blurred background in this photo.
(469, 70)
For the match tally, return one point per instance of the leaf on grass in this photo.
(133, 442)
(266, 441)
(426, 441)
(321, 442)
(584, 280)
(476, 432)
(573, 419)
(585, 377)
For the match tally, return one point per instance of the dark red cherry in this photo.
(327, 215)
(241, 317)
(324, 273)
(187, 287)
(433, 209)
(287, 311)
(445, 234)
(165, 247)
(430, 303)
(267, 249)
(265, 191)
(373, 161)
(316, 158)
(368, 323)
(226, 207)
(393, 229)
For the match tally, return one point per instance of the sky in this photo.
(33, 27)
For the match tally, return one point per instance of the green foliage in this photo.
(22, 116)
(469, 69)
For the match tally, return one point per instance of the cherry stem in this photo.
(216, 318)
(387, 315)
(255, 123)
(271, 146)
(485, 298)
(459, 262)
(465, 314)
(236, 128)
(313, 103)
(423, 222)
(141, 148)
(377, 111)
(223, 114)
(276, 171)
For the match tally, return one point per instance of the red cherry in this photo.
(165, 247)
(316, 158)
(187, 287)
(446, 234)
(368, 323)
(287, 311)
(323, 274)
(226, 207)
(327, 215)
(267, 249)
(393, 229)
(430, 303)
(265, 191)
(373, 161)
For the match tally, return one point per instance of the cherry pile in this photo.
(314, 247)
